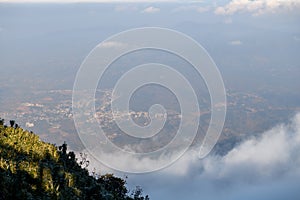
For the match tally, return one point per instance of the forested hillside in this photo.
(33, 169)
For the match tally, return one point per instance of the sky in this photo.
(97, 1)
(246, 28)
(256, 7)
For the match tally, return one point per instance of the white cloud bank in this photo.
(257, 7)
(261, 168)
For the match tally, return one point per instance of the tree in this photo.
(1, 122)
(12, 123)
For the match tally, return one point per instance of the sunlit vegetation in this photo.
(33, 169)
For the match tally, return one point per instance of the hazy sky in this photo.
(230, 7)
(261, 33)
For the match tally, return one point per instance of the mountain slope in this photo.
(33, 169)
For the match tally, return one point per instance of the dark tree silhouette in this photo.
(1, 122)
(12, 123)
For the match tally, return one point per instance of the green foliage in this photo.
(32, 169)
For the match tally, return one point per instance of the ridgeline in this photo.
(33, 169)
